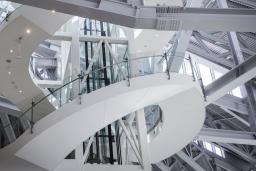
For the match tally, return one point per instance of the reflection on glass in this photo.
(6, 8)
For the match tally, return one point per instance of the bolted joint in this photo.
(80, 76)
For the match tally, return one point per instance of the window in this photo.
(214, 149)
(205, 74)
(217, 74)
(237, 92)
(208, 146)
(218, 151)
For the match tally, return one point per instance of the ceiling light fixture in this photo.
(28, 31)
(9, 72)
(20, 91)
(11, 51)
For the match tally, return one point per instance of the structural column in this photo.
(142, 138)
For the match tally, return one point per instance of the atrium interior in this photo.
(128, 85)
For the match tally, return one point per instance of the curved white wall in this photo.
(51, 141)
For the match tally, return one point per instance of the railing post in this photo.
(32, 117)
(128, 71)
(60, 98)
(79, 88)
(167, 67)
(192, 68)
(202, 87)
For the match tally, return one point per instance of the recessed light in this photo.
(20, 91)
(9, 72)
(11, 51)
(53, 11)
(28, 31)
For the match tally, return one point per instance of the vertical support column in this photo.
(107, 82)
(75, 53)
(75, 48)
(8, 129)
(79, 154)
(142, 138)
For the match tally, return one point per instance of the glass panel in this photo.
(237, 92)
(208, 146)
(6, 8)
(217, 74)
(205, 74)
(218, 151)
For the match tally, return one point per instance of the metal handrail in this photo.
(79, 77)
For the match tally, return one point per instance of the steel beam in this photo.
(239, 152)
(189, 161)
(160, 18)
(232, 79)
(233, 103)
(224, 43)
(248, 3)
(181, 43)
(236, 116)
(251, 92)
(238, 59)
(225, 165)
(227, 136)
(214, 59)
(85, 38)
(142, 138)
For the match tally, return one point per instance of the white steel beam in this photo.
(87, 149)
(236, 116)
(233, 103)
(232, 79)
(239, 152)
(85, 38)
(137, 153)
(160, 18)
(181, 43)
(238, 59)
(227, 136)
(142, 137)
(190, 161)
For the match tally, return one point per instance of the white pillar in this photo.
(142, 138)
(79, 153)
(75, 47)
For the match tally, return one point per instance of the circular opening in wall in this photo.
(153, 116)
(154, 120)
(8, 61)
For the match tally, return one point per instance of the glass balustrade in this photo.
(6, 9)
(75, 86)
